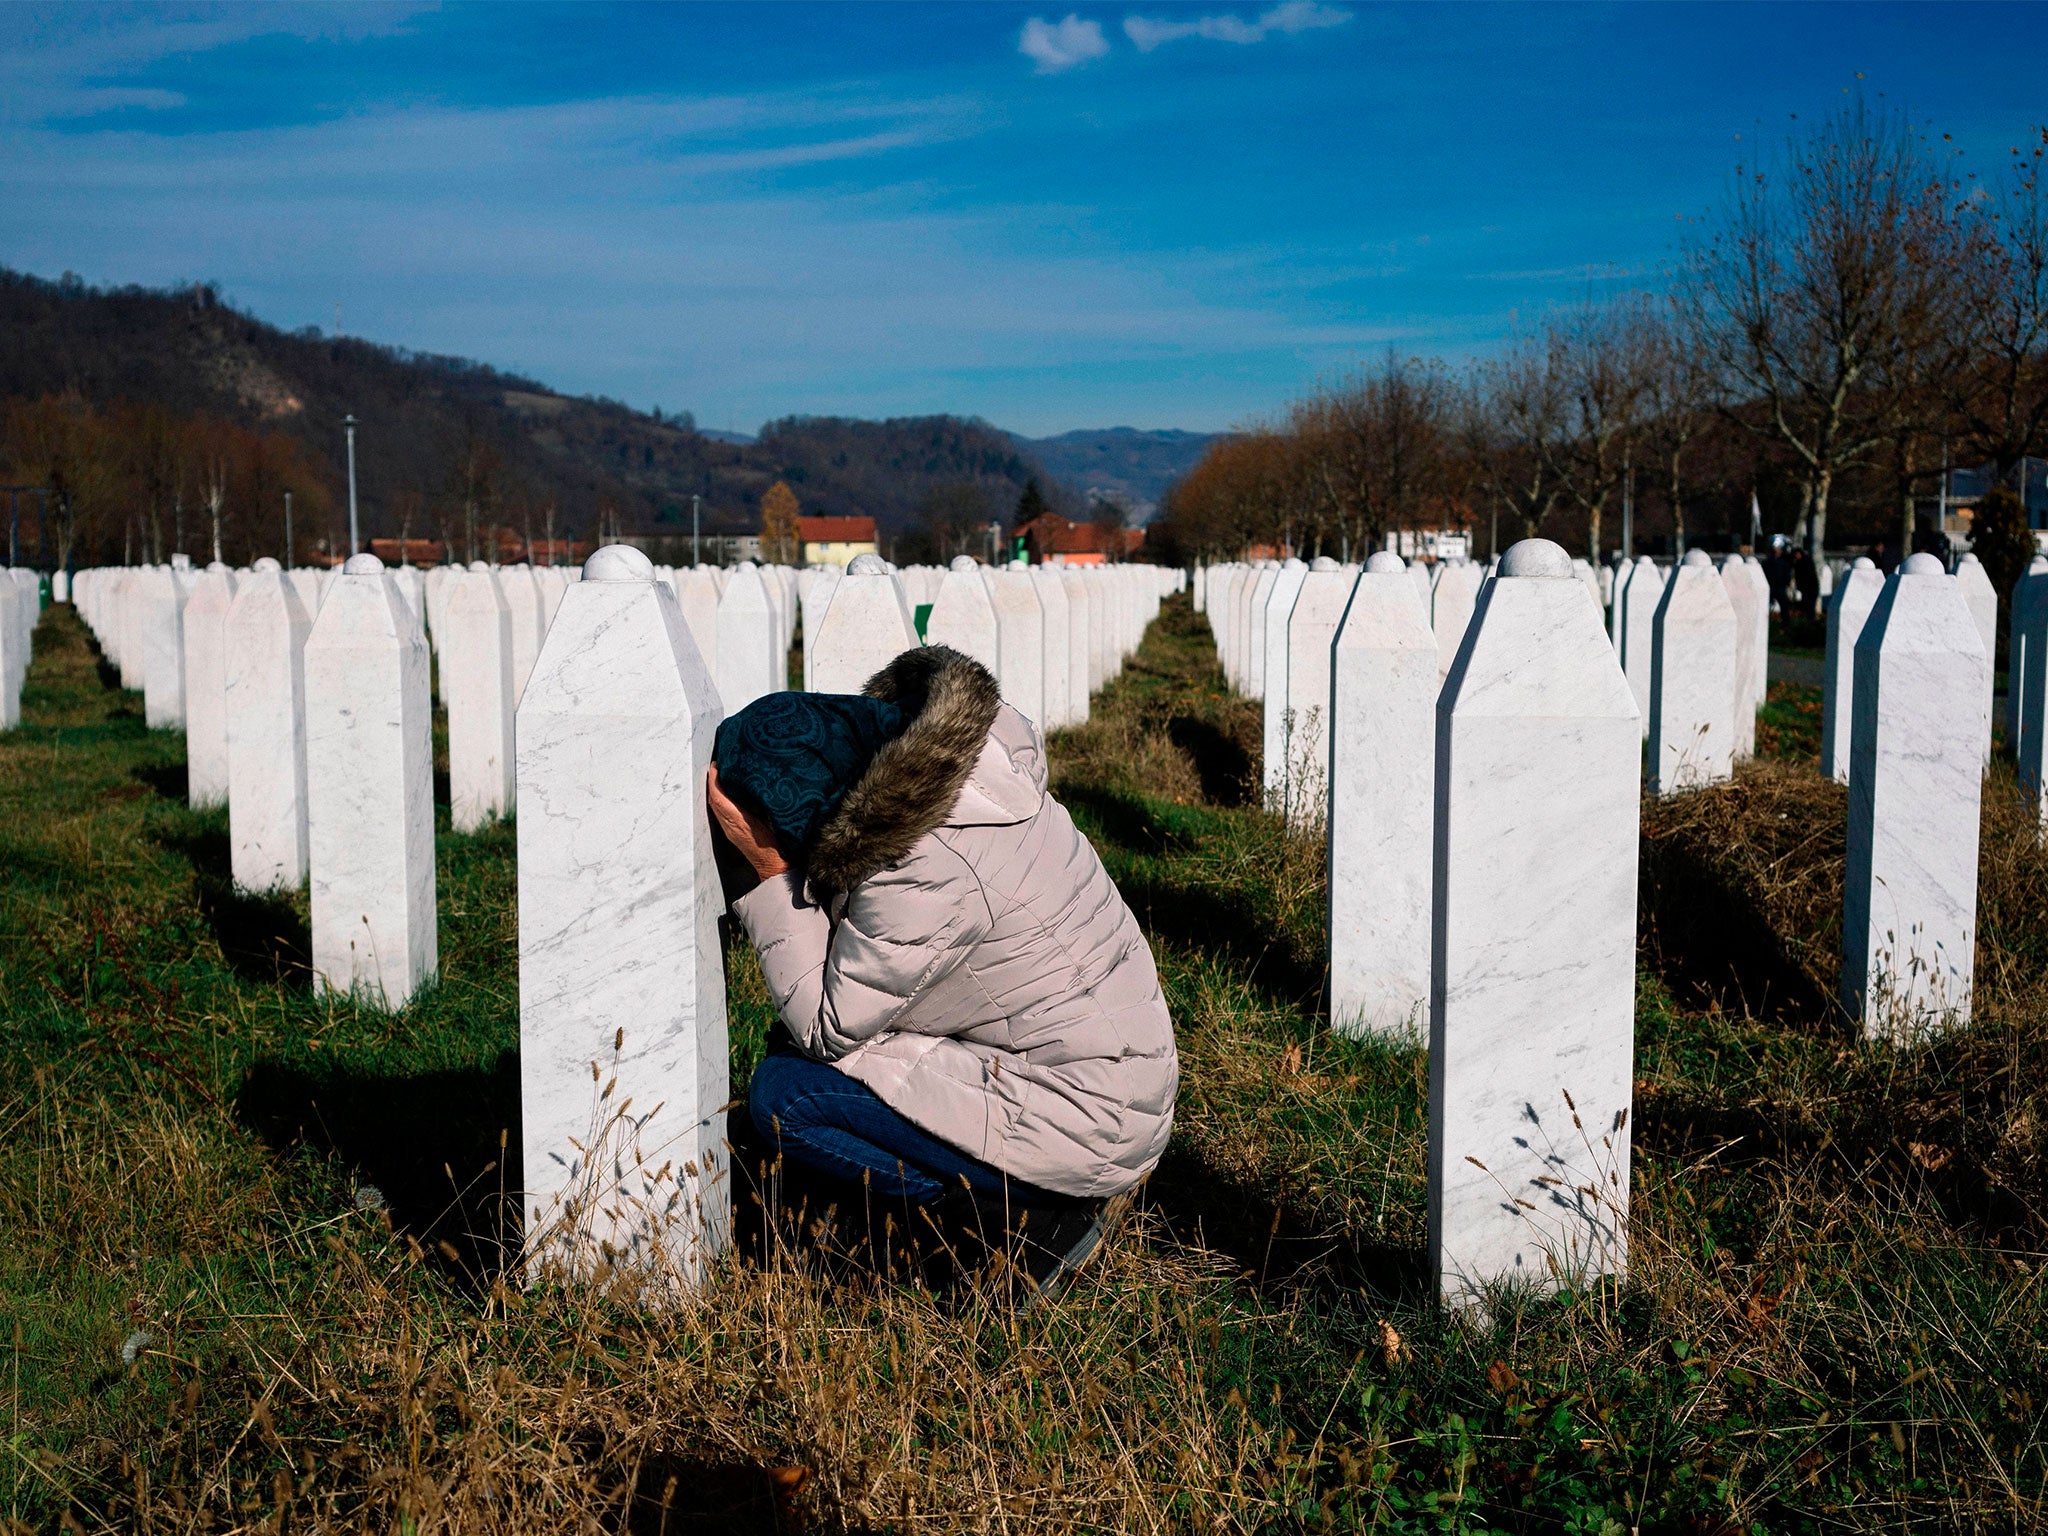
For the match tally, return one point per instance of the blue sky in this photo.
(1053, 217)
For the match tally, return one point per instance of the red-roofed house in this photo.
(1050, 539)
(835, 540)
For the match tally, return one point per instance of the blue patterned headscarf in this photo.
(795, 755)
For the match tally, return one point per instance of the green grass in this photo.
(1834, 1317)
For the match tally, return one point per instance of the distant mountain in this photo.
(1136, 466)
(421, 417)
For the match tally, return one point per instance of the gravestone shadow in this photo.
(785, 1214)
(170, 780)
(1124, 821)
(1272, 1247)
(1224, 767)
(676, 1495)
(441, 1148)
(1198, 918)
(1712, 946)
(262, 938)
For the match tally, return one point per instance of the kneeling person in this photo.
(975, 1015)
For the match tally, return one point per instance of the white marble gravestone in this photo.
(524, 605)
(553, 582)
(1225, 615)
(2026, 672)
(434, 589)
(206, 688)
(1583, 569)
(370, 790)
(1220, 613)
(1451, 604)
(13, 665)
(749, 664)
(1108, 635)
(266, 710)
(1020, 622)
(1301, 792)
(1532, 978)
(1848, 611)
(1741, 595)
(1382, 786)
(1909, 907)
(412, 586)
(162, 600)
(623, 1055)
(814, 596)
(1252, 648)
(1273, 671)
(1693, 680)
(963, 616)
(697, 590)
(129, 618)
(476, 690)
(865, 626)
(1080, 641)
(1760, 616)
(1639, 602)
(311, 586)
(1982, 599)
(1052, 602)
(1423, 575)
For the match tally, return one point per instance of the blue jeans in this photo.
(823, 1118)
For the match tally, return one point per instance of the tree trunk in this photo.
(1677, 508)
(1817, 515)
(1907, 463)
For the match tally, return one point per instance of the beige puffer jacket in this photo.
(957, 946)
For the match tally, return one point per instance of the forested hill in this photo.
(430, 428)
(1135, 466)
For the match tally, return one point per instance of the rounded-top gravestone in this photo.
(618, 562)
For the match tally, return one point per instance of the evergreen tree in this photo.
(1031, 504)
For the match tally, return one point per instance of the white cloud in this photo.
(1292, 17)
(1058, 45)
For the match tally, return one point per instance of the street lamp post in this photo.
(696, 537)
(354, 543)
(289, 547)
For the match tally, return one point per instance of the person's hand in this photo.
(752, 835)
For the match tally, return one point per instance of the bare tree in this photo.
(1803, 296)
(1678, 400)
(1999, 395)
(1601, 353)
(1527, 408)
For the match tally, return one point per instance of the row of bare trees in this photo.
(136, 482)
(1862, 313)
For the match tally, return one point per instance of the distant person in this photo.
(1807, 580)
(976, 1037)
(1778, 574)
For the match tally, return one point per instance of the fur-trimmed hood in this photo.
(964, 756)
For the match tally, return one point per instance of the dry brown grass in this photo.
(1834, 1317)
